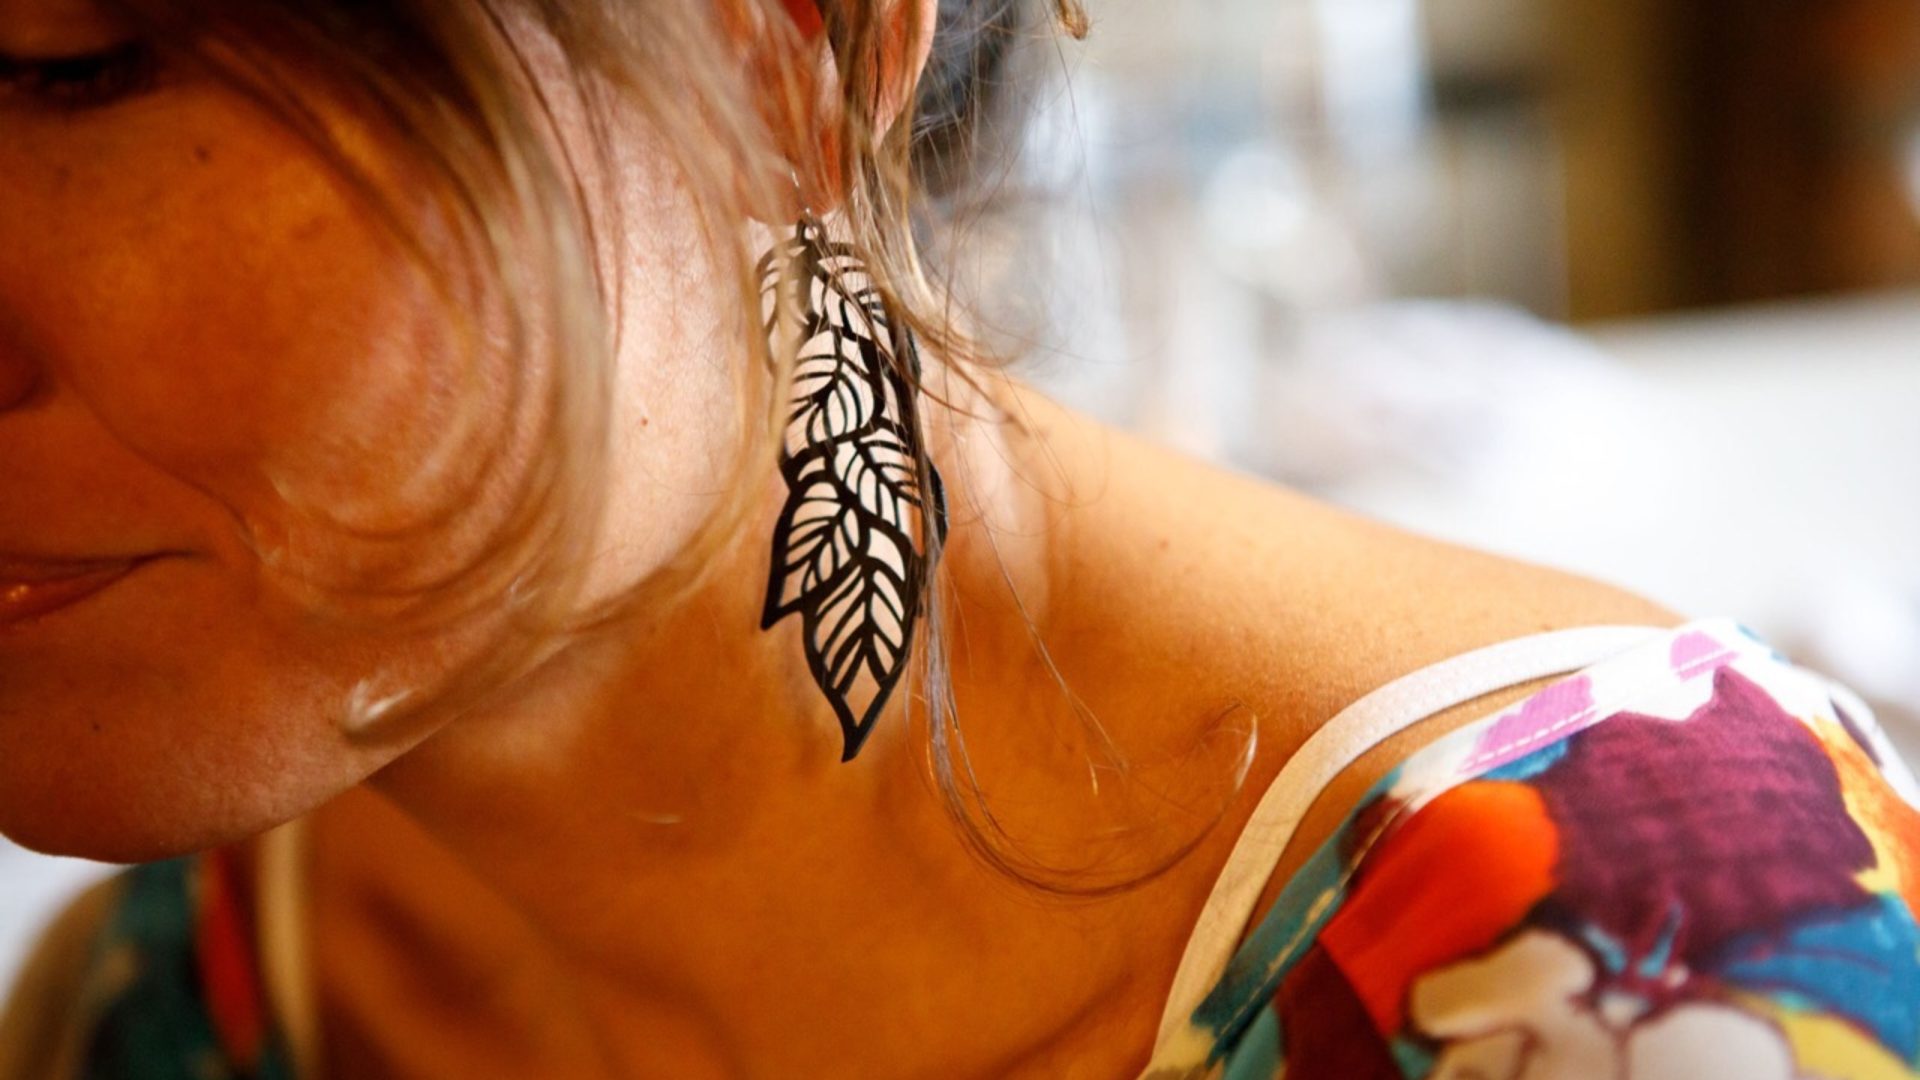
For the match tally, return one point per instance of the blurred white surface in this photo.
(1728, 462)
(1760, 463)
(32, 889)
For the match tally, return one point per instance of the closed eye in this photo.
(82, 81)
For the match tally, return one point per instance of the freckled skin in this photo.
(208, 322)
(658, 822)
(144, 286)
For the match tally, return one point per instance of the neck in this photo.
(668, 807)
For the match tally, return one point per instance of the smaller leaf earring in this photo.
(849, 550)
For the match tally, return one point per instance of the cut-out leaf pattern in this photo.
(848, 549)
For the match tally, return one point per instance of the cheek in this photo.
(228, 313)
(238, 346)
(219, 328)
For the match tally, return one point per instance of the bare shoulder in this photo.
(1299, 605)
(1386, 601)
(1449, 599)
(1279, 582)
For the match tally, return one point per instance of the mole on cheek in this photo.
(202, 155)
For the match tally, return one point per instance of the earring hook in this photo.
(806, 207)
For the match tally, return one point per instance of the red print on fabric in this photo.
(1733, 818)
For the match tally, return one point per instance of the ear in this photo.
(910, 25)
(906, 43)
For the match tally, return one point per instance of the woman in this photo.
(492, 479)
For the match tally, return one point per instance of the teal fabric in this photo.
(152, 1020)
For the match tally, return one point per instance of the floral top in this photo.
(1692, 860)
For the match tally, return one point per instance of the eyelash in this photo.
(80, 82)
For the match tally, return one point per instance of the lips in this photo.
(32, 588)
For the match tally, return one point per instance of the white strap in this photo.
(1341, 741)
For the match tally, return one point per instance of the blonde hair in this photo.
(447, 88)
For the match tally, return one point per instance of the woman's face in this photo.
(196, 320)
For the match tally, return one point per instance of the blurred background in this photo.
(1627, 287)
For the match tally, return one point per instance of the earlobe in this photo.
(806, 16)
(906, 42)
(792, 79)
(909, 42)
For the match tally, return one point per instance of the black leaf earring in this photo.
(850, 548)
